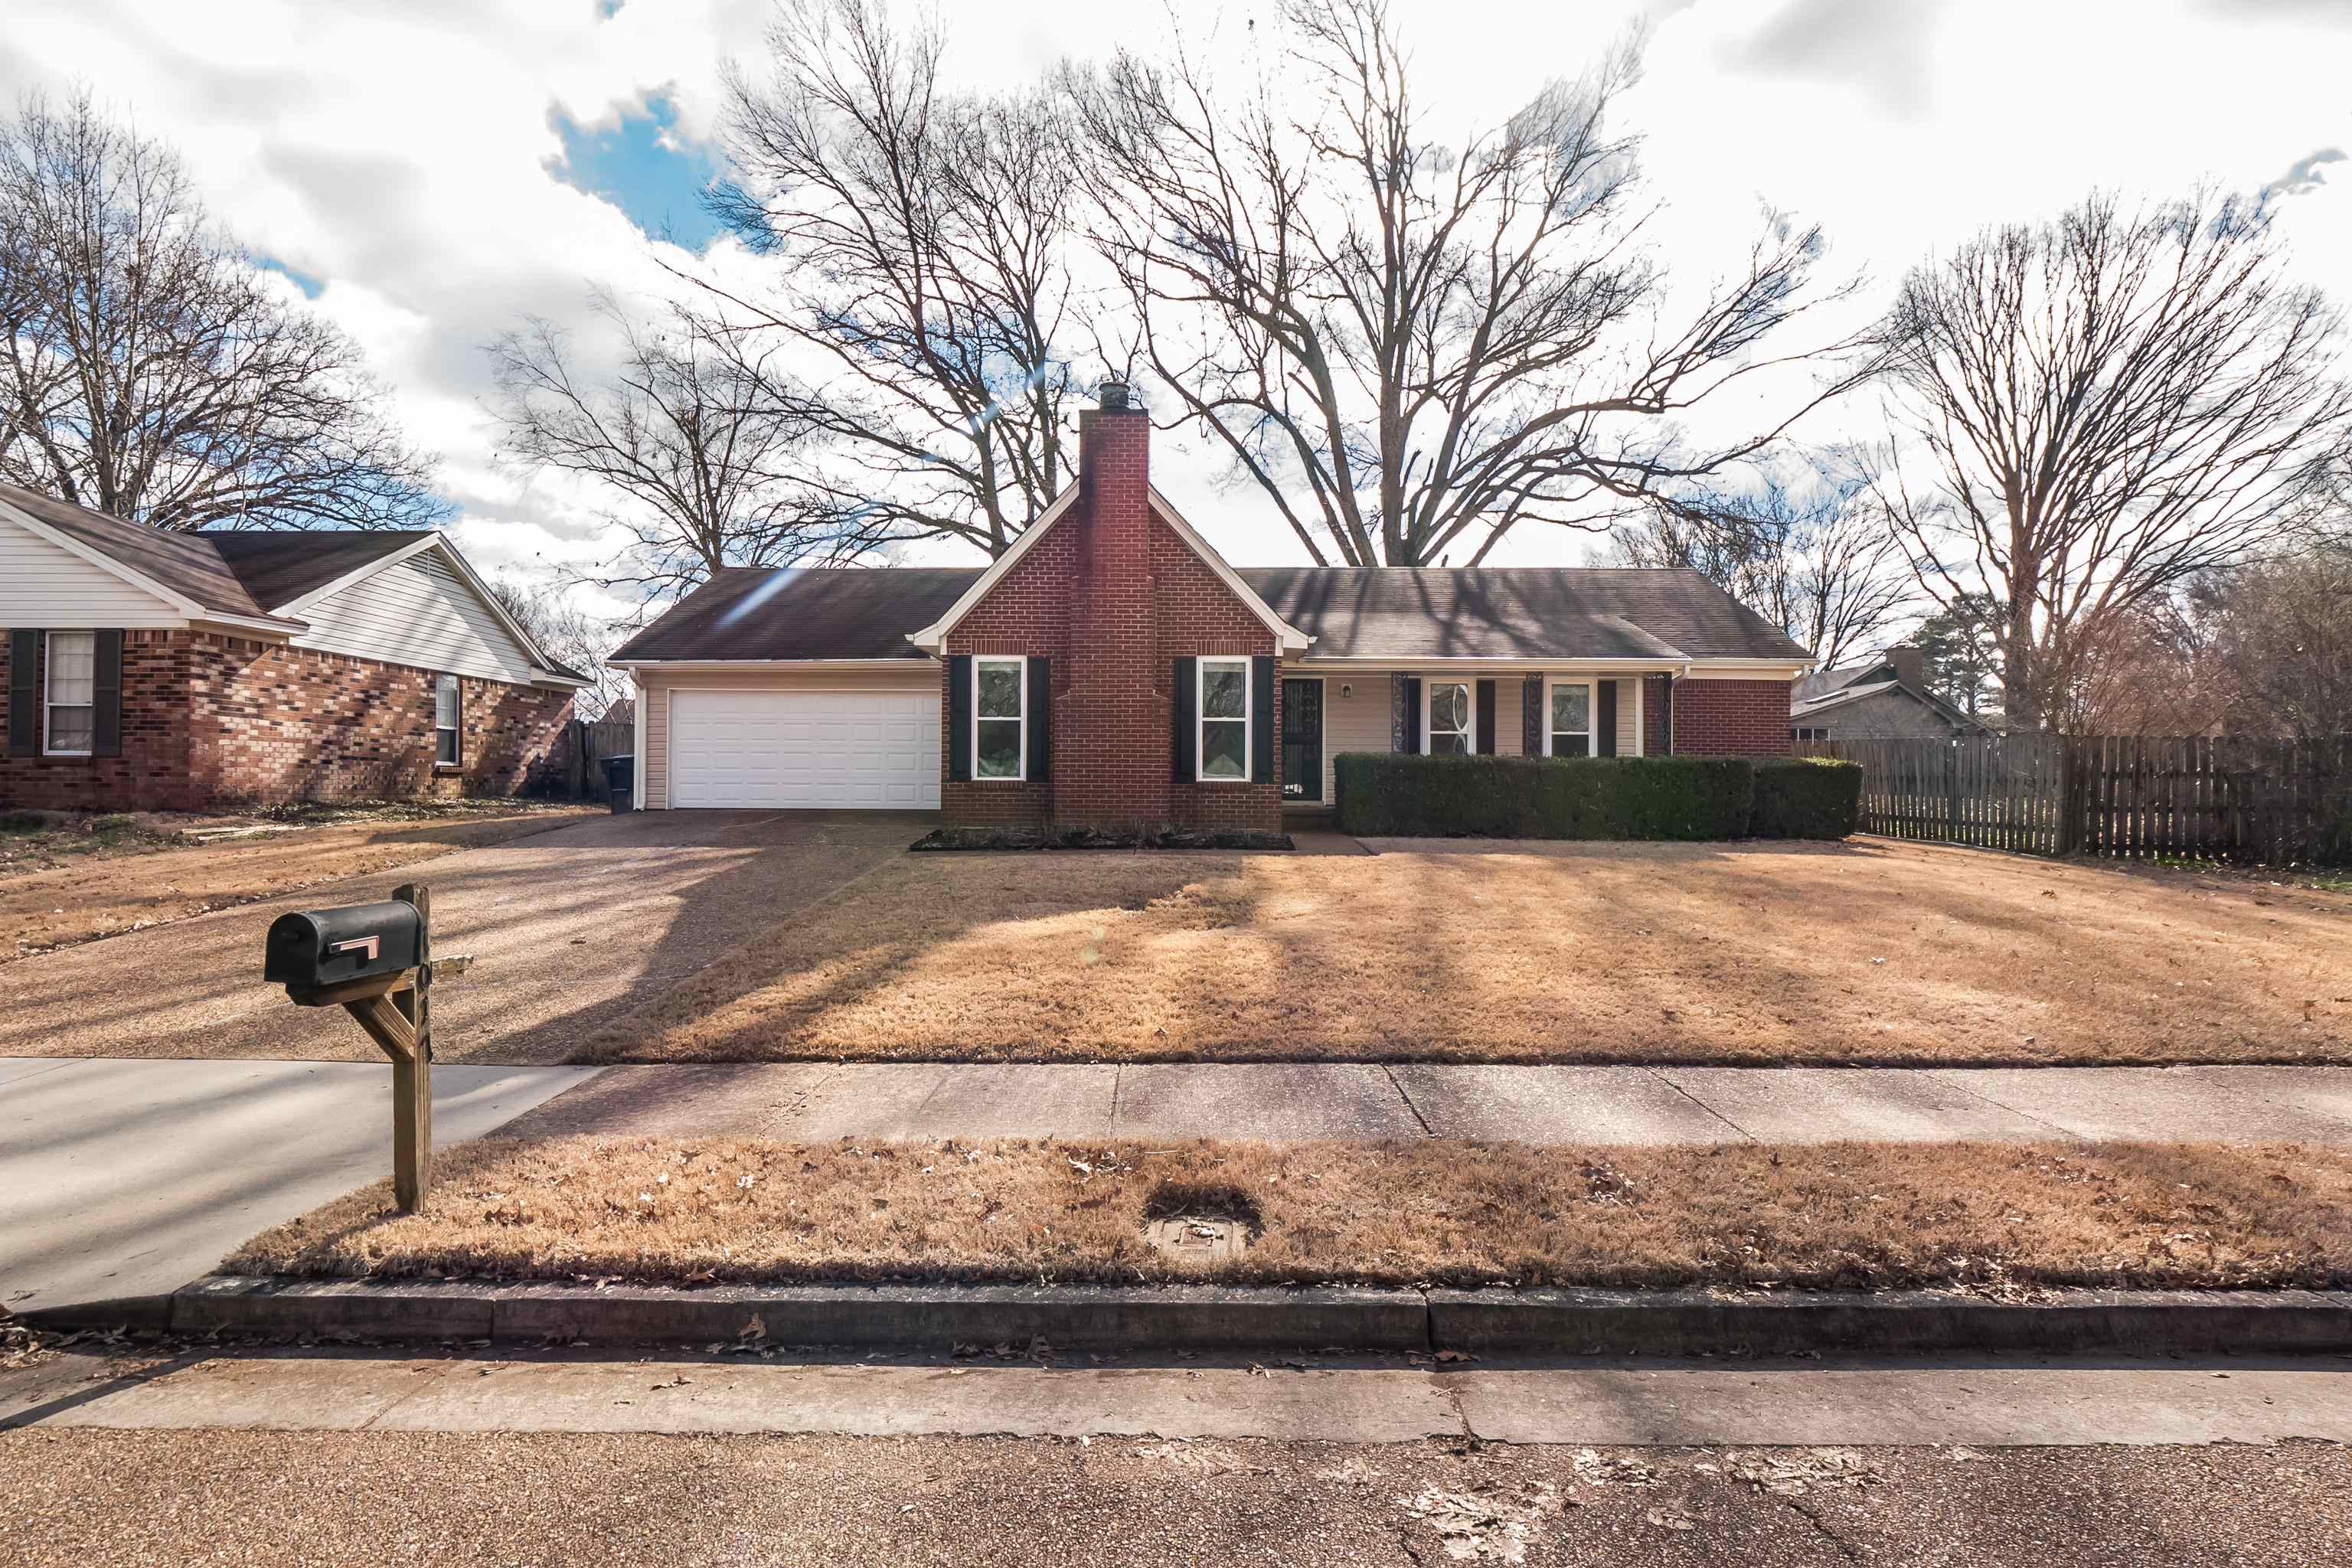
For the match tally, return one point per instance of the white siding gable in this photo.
(422, 612)
(45, 584)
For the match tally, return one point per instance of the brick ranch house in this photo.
(1112, 668)
(152, 671)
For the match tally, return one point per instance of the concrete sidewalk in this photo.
(122, 1178)
(819, 1101)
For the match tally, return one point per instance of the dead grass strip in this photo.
(1855, 1215)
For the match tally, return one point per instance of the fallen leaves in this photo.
(1485, 1526)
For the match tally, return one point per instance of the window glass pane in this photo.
(1570, 745)
(1224, 690)
(1000, 748)
(1572, 707)
(445, 703)
(1449, 745)
(73, 669)
(1449, 708)
(71, 729)
(445, 747)
(1223, 741)
(1000, 690)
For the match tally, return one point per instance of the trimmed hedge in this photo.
(1390, 795)
(1805, 797)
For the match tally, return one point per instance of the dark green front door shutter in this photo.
(959, 717)
(1184, 694)
(1262, 721)
(1409, 693)
(1485, 718)
(1604, 718)
(106, 735)
(24, 693)
(1041, 719)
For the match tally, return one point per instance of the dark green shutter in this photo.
(1262, 725)
(24, 693)
(106, 738)
(1041, 719)
(1604, 718)
(1485, 718)
(1531, 716)
(959, 717)
(1184, 693)
(1409, 692)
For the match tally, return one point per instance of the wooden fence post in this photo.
(412, 1074)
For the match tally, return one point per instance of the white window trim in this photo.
(1469, 685)
(1591, 711)
(457, 730)
(1020, 773)
(1201, 719)
(49, 681)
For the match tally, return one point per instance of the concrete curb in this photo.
(1183, 1317)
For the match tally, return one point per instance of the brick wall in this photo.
(1113, 596)
(1731, 717)
(209, 719)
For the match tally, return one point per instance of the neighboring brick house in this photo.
(144, 669)
(1111, 668)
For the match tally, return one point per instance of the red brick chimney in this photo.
(1110, 753)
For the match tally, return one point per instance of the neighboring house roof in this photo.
(278, 566)
(801, 613)
(1859, 685)
(1822, 682)
(1517, 612)
(260, 578)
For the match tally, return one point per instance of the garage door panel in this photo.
(843, 750)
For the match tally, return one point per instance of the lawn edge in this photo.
(1170, 1318)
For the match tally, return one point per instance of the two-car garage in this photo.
(874, 747)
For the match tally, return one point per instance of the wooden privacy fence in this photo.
(2235, 798)
(577, 762)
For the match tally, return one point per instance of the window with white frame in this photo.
(1224, 720)
(72, 697)
(1449, 730)
(448, 710)
(1000, 716)
(1571, 731)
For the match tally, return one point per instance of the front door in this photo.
(1302, 739)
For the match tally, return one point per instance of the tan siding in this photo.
(1360, 723)
(1628, 734)
(923, 675)
(419, 613)
(44, 584)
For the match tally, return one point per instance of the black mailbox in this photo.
(313, 949)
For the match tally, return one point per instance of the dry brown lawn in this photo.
(1855, 1215)
(66, 884)
(1869, 952)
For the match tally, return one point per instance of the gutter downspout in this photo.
(1671, 677)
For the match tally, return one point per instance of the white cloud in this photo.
(399, 151)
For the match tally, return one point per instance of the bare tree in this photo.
(703, 467)
(566, 632)
(2094, 411)
(148, 370)
(1414, 347)
(925, 290)
(1819, 562)
(2280, 639)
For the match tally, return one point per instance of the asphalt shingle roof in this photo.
(758, 613)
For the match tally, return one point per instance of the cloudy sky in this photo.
(429, 170)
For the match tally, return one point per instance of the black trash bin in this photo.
(621, 778)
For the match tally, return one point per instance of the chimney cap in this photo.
(1115, 397)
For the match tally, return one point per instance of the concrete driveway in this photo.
(568, 929)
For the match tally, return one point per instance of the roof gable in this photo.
(933, 637)
(280, 567)
(182, 569)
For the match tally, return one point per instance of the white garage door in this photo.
(877, 750)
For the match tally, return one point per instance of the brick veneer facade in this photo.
(1113, 596)
(1731, 717)
(211, 719)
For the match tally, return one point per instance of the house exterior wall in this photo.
(51, 584)
(1731, 717)
(210, 719)
(420, 613)
(660, 686)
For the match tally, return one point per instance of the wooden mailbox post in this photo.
(393, 1005)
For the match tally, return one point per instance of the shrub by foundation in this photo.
(1388, 795)
(1805, 797)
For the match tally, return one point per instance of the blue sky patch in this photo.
(311, 286)
(644, 166)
